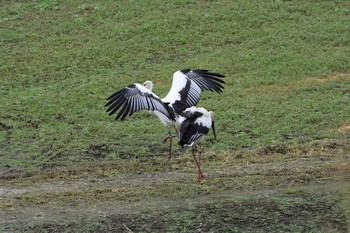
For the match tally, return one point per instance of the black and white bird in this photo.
(196, 123)
(185, 92)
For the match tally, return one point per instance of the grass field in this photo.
(282, 159)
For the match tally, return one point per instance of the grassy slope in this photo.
(287, 68)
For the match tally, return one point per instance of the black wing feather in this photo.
(134, 98)
(115, 96)
(127, 110)
(207, 81)
(189, 130)
(122, 110)
(115, 106)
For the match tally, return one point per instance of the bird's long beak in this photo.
(213, 127)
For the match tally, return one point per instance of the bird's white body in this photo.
(166, 121)
(180, 81)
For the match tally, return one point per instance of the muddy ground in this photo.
(303, 188)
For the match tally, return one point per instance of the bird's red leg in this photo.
(199, 153)
(199, 161)
(170, 138)
(200, 174)
(170, 151)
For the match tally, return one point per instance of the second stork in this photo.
(195, 125)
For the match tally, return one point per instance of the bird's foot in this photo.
(200, 176)
(197, 180)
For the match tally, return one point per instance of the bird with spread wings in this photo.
(185, 92)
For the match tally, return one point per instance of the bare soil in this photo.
(272, 189)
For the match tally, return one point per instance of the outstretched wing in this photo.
(187, 86)
(133, 98)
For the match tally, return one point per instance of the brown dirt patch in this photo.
(344, 128)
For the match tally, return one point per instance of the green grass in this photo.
(61, 59)
(287, 68)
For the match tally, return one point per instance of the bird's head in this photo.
(212, 116)
(148, 85)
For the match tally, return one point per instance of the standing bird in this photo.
(185, 92)
(195, 125)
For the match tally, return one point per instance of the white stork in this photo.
(185, 92)
(195, 125)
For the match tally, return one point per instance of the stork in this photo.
(185, 92)
(195, 125)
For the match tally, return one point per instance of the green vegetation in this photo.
(283, 118)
